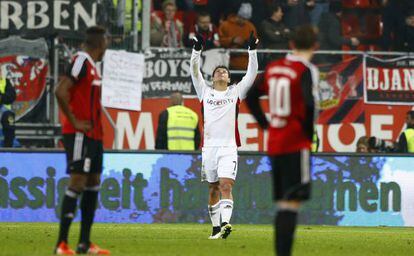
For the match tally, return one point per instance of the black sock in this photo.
(285, 224)
(216, 230)
(67, 214)
(88, 206)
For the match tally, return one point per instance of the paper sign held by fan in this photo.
(122, 80)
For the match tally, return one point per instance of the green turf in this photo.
(191, 239)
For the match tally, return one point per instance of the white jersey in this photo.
(220, 108)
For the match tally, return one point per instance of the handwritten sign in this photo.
(122, 80)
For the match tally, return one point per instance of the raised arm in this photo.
(196, 76)
(244, 85)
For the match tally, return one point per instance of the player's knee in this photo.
(78, 188)
(93, 181)
(77, 183)
(225, 187)
(213, 188)
(288, 205)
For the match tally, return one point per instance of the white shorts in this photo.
(218, 162)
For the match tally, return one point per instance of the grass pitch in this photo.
(191, 239)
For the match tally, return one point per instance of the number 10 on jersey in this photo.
(279, 101)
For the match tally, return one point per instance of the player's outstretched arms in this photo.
(196, 76)
(252, 67)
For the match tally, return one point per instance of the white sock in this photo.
(226, 208)
(214, 212)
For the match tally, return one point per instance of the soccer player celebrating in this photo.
(220, 107)
(289, 82)
(78, 95)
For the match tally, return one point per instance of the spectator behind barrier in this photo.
(377, 145)
(182, 5)
(167, 31)
(405, 40)
(259, 11)
(393, 19)
(235, 33)
(406, 140)
(297, 12)
(177, 127)
(362, 145)
(330, 32)
(7, 97)
(205, 29)
(273, 32)
(321, 6)
(220, 10)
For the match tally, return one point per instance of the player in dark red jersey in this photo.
(78, 95)
(289, 83)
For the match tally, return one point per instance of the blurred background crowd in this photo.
(346, 24)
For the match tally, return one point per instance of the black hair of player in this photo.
(304, 37)
(94, 37)
(224, 67)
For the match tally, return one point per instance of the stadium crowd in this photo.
(346, 24)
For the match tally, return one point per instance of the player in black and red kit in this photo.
(289, 83)
(79, 95)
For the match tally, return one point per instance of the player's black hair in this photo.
(304, 37)
(94, 36)
(221, 66)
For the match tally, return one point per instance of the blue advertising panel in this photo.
(156, 187)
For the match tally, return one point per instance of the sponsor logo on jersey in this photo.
(220, 102)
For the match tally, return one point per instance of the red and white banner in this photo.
(389, 81)
(28, 76)
(137, 130)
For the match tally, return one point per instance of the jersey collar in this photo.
(292, 57)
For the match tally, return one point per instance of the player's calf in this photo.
(285, 225)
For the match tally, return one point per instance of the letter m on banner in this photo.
(389, 81)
